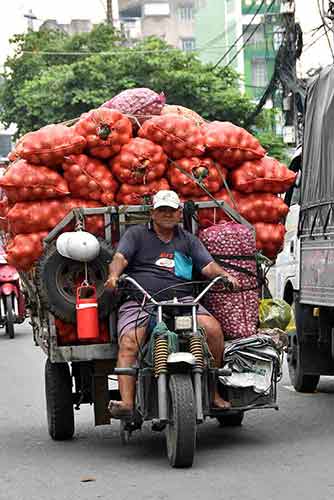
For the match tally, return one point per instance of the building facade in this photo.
(172, 20)
(218, 26)
(262, 34)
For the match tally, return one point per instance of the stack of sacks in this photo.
(233, 246)
(255, 181)
(56, 169)
(106, 158)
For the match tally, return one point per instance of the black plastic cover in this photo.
(318, 147)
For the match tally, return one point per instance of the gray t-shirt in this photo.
(151, 261)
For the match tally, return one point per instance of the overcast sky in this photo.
(12, 18)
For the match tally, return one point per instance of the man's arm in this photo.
(212, 270)
(116, 268)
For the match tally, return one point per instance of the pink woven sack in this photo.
(140, 102)
(233, 245)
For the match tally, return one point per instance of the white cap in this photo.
(166, 198)
(78, 245)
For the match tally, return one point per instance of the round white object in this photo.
(78, 245)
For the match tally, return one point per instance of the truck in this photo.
(311, 346)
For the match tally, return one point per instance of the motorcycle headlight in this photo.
(183, 322)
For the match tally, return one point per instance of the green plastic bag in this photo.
(274, 313)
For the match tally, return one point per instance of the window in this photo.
(230, 6)
(186, 13)
(256, 34)
(188, 44)
(259, 72)
(5, 144)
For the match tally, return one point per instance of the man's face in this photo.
(166, 217)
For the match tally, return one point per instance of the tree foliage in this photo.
(53, 77)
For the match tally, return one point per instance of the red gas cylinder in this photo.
(87, 313)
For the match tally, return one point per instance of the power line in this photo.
(228, 31)
(307, 47)
(247, 40)
(321, 12)
(240, 36)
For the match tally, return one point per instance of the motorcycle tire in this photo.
(59, 403)
(9, 317)
(181, 428)
(57, 278)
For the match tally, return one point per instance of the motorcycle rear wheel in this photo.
(59, 404)
(9, 317)
(181, 429)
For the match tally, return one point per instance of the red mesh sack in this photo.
(140, 102)
(262, 207)
(178, 136)
(237, 312)
(49, 145)
(182, 111)
(269, 238)
(13, 156)
(140, 194)
(89, 179)
(201, 170)
(267, 174)
(24, 250)
(94, 223)
(211, 216)
(26, 182)
(139, 162)
(44, 215)
(231, 145)
(105, 131)
(4, 209)
(67, 334)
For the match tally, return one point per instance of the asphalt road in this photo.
(273, 456)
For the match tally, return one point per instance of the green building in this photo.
(261, 40)
(218, 25)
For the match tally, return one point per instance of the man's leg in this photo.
(215, 339)
(127, 356)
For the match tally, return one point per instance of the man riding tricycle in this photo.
(164, 346)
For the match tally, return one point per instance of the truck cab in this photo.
(283, 277)
(311, 346)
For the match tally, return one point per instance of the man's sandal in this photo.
(119, 412)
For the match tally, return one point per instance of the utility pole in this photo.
(290, 129)
(109, 12)
(31, 18)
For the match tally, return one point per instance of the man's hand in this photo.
(233, 282)
(112, 282)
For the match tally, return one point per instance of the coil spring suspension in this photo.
(160, 355)
(196, 349)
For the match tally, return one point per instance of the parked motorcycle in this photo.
(12, 304)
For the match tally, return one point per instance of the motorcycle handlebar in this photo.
(226, 282)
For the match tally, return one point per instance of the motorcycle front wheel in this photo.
(181, 428)
(9, 316)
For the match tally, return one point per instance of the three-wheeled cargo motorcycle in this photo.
(175, 374)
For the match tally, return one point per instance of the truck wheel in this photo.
(233, 419)
(181, 429)
(57, 279)
(301, 382)
(59, 404)
(9, 316)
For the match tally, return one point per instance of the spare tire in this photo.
(57, 278)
